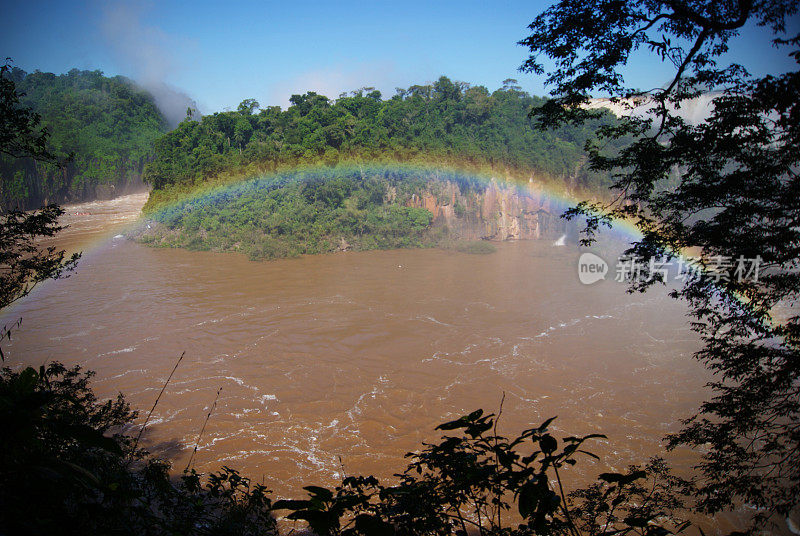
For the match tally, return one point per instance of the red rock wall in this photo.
(496, 213)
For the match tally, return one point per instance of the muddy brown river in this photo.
(358, 355)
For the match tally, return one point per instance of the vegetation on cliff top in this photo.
(443, 123)
(107, 124)
(326, 209)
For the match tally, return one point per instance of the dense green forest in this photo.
(446, 122)
(107, 124)
(309, 211)
(352, 194)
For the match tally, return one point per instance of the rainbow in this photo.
(551, 193)
(554, 194)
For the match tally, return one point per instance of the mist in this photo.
(146, 52)
(693, 111)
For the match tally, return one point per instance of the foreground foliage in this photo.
(67, 467)
(727, 187)
(23, 260)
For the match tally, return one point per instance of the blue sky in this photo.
(223, 52)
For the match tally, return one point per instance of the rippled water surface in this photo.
(358, 355)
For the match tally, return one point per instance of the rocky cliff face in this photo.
(493, 212)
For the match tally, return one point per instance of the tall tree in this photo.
(736, 200)
(20, 132)
(23, 261)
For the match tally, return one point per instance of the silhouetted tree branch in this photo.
(727, 187)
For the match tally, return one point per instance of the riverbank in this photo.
(90, 224)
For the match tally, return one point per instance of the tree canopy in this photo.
(445, 121)
(736, 196)
(107, 124)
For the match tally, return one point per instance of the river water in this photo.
(358, 356)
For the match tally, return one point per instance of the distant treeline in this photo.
(443, 123)
(109, 125)
(118, 137)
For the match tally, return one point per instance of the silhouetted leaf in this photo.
(548, 443)
(317, 491)
(622, 478)
(291, 504)
(369, 525)
(529, 496)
